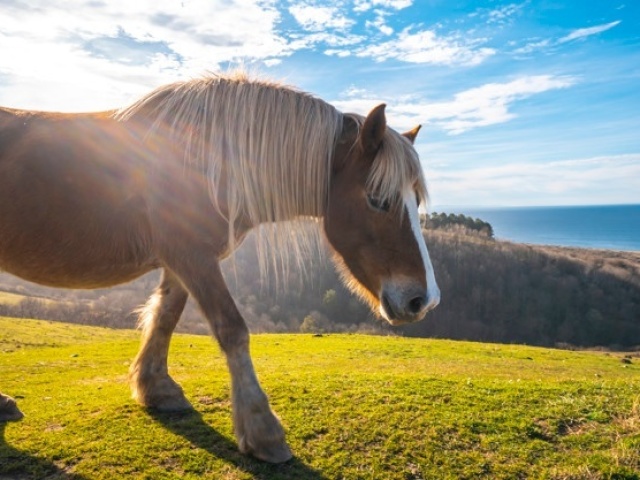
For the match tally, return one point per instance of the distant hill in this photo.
(507, 292)
(491, 291)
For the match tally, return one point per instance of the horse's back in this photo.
(72, 206)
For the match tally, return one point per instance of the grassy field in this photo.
(354, 407)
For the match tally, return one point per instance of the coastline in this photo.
(597, 227)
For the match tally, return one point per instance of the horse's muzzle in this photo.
(406, 303)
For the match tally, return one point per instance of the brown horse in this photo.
(176, 180)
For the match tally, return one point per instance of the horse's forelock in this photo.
(395, 167)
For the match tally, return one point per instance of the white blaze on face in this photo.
(433, 292)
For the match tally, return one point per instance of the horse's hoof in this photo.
(273, 450)
(171, 404)
(277, 453)
(13, 416)
(162, 394)
(9, 411)
(163, 402)
(262, 436)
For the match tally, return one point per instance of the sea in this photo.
(611, 227)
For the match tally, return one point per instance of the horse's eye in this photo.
(380, 204)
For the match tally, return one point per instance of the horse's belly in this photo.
(82, 258)
(100, 277)
(74, 226)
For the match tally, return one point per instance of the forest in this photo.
(492, 291)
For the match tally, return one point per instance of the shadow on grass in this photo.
(19, 465)
(193, 428)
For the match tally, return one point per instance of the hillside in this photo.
(553, 296)
(353, 406)
(491, 291)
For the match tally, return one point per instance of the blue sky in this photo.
(522, 103)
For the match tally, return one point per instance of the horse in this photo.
(177, 179)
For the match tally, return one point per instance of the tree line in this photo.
(458, 223)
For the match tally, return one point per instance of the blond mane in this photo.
(273, 146)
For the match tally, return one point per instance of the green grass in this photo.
(354, 407)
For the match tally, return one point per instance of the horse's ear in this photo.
(373, 129)
(412, 134)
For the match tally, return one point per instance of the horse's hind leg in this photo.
(9, 411)
(150, 382)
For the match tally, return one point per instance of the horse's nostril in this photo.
(416, 304)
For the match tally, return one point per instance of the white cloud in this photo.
(586, 32)
(332, 40)
(50, 57)
(332, 52)
(489, 104)
(379, 22)
(482, 106)
(242, 27)
(502, 14)
(532, 46)
(364, 5)
(535, 44)
(541, 183)
(272, 62)
(83, 54)
(317, 18)
(427, 47)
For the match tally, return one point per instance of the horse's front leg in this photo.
(150, 382)
(257, 429)
(9, 411)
